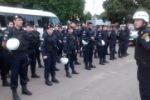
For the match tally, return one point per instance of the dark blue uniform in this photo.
(32, 53)
(88, 49)
(142, 57)
(100, 47)
(59, 37)
(112, 43)
(37, 45)
(3, 60)
(127, 31)
(18, 59)
(49, 49)
(76, 33)
(6, 32)
(105, 36)
(69, 48)
(122, 38)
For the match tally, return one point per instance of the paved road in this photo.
(114, 81)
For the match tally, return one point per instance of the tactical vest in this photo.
(113, 35)
(91, 33)
(1, 40)
(71, 42)
(140, 52)
(51, 44)
(21, 36)
(36, 38)
(31, 40)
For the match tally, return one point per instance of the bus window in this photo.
(45, 20)
(2, 20)
(29, 19)
(55, 21)
(38, 21)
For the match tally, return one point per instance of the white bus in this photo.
(37, 17)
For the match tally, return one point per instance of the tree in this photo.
(87, 16)
(64, 9)
(119, 10)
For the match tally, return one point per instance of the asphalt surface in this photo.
(116, 80)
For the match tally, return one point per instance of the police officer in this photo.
(75, 32)
(89, 36)
(59, 36)
(70, 49)
(105, 36)
(80, 35)
(142, 53)
(122, 38)
(19, 60)
(31, 50)
(6, 31)
(98, 28)
(55, 32)
(100, 45)
(37, 44)
(3, 60)
(127, 39)
(112, 42)
(64, 31)
(49, 50)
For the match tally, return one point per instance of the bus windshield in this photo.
(55, 20)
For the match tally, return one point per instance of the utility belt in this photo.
(143, 61)
(31, 48)
(51, 49)
(14, 53)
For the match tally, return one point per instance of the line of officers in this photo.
(57, 44)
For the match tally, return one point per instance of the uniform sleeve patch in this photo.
(146, 37)
(6, 32)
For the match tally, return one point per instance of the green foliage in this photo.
(117, 10)
(64, 9)
(87, 16)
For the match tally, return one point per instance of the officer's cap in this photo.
(17, 16)
(35, 25)
(104, 26)
(49, 26)
(89, 23)
(58, 26)
(70, 27)
(27, 24)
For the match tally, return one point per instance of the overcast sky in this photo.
(94, 6)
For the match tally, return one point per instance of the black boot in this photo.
(34, 75)
(6, 83)
(119, 56)
(25, 90)
(68, 74)
(8, 75)
(111, 55)
(27, 79)
(74, 71)
(15, 95)
(114, 55)
(87, 67)
(101, 62)
(41, 66)
(77, 63)
(56, 69)
(104, 61)
(48, 82)
(55, 80)
(92, 66)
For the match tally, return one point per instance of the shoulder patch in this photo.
(6, 32)
(146, 37)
